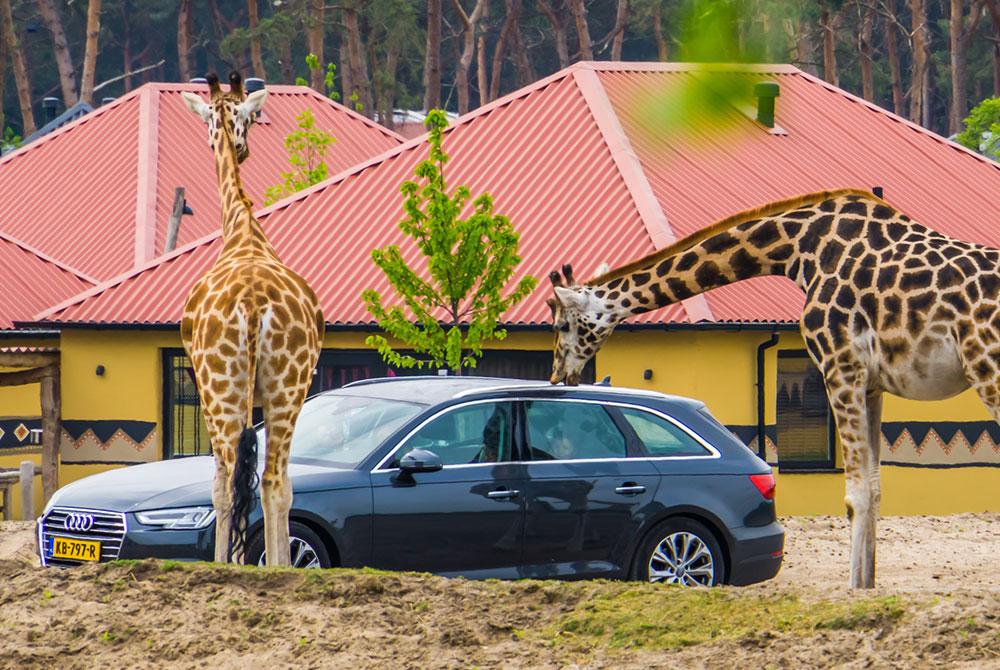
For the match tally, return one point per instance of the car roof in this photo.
(435, 389)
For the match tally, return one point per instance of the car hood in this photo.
(181, 482)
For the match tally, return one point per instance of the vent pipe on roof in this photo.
(108, 99)
(198, 80)
(50, 108)
(253, 84)
(174, 224)
(766, 92)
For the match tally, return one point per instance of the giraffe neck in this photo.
(806, 242)
(239, 227)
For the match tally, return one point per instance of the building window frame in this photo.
(827, 464)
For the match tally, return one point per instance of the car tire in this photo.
(307, 549)
(680, 551)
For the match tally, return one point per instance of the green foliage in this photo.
(470, 261)
(11, 140)
(982, 128)
(306, 149)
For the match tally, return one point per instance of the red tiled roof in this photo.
(32, 282)
(586, 177)
(97, 193)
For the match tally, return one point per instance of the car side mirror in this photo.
(414, 461)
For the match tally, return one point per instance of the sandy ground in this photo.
(946, 570)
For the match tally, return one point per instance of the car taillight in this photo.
(764, 484)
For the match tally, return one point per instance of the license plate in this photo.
(77, 550)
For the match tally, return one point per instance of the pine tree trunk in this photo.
(579, 11)
(482, 78)
(4, 53)
(346, 80)
(316, 31)
(558, 32)
(90, 53)
(432, 57)
(183, 40)
(994, 7)
(865, 52)
(287, 72)
(827, 22)
(256, 55)
(509, 23)
(798, 36)
(956, 111)
(20, 70)
(64, 61)
(469, 22)
(525, 69)
(662, 48)
(357, 60)
(918, 70)
(616, 42)
(892, 55)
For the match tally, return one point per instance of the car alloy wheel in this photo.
(680, 551)
(302, 553)
(306, 549)
(682, 558)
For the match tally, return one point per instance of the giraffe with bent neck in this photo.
(891, 306)
(253, 330)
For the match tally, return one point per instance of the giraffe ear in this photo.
(570, 298)
(197, 105)
(253, 104)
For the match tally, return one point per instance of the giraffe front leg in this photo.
(853, 409)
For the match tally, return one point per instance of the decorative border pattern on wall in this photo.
(20, 435)
(115, 441)
(915, 443)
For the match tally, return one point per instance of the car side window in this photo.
(660, 437)
(571, 430)
(478, 433)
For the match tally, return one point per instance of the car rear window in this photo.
(661, 437)
(560, 430)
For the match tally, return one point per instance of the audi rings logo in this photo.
(79, 522)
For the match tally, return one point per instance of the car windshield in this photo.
(342, 430)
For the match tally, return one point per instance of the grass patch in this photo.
(667, 618)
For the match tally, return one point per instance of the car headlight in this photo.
(181, 518)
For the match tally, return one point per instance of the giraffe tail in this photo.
(245, 478)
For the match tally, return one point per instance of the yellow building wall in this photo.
(718, 368)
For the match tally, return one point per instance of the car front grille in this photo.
(108, 528)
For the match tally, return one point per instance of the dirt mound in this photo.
(164, 614)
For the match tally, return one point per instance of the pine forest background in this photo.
(927, 60)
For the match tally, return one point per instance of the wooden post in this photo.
(174, 224)
(27, 490)
(51, 430)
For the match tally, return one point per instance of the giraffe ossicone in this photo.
(253, 330)
(891, 306)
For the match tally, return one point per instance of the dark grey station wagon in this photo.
(468, 476)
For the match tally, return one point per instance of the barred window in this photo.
(805, 427)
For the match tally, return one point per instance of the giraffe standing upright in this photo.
(891, 306)
(253, 330)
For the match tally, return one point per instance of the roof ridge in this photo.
(47, 258)
(676, 66)
(147, 176)
(631, 170)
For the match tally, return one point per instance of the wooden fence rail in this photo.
(25, 477)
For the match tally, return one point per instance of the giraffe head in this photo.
(231, 109)
(582, 323)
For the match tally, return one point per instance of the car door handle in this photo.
(503, 494)
(630, 489)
